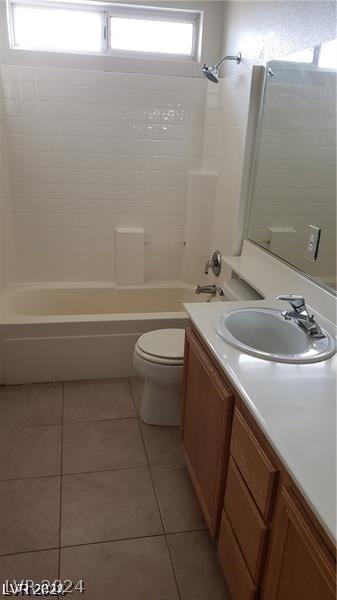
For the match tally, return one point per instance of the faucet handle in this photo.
(214, 263)
(293, 299)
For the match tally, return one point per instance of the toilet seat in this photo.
(163, 346)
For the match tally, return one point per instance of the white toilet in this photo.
(158, 358)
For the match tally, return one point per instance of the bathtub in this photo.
(59, 332)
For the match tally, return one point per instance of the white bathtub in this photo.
(61, 332)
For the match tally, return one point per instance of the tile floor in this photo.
(87, 491)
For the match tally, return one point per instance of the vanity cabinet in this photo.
(207, 412)
(300, 566)
(270, 545)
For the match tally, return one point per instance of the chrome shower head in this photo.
(212, 73)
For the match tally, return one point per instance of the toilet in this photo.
(158, 357)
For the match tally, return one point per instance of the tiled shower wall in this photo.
(5, 206)
(223, 154)
(90, 151)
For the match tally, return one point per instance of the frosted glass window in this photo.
(144, 35)
(328, 55)
(104, 28)
(49, 28)
(303, 56)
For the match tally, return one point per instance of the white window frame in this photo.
(108, 10)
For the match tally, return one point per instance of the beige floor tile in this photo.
(196, 567)
(31, 565)
(108, 505)
(26, 405)
(30, 452)
(177, 501)
(162, 444)
(96, 400)
(124, 570)
(100, 445)
(137, 385)
(29, 510)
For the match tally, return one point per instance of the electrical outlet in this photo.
(313, 243)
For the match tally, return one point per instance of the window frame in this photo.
(108, 11)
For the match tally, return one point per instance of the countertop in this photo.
(295, 406)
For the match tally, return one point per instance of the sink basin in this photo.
(263, 332)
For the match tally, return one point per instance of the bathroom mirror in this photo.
(293, 203)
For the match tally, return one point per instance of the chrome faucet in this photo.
(214, 263)
(299, 314)
(213, 290)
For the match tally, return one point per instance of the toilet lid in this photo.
(164, 343)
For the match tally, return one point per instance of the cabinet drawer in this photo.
(246, 522)
(255, 467)
(240, 583)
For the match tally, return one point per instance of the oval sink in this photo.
(265, 333)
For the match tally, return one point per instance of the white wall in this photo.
(269, 29)
(261, 30)
(91, 151)
(6, 246)
(223, 152)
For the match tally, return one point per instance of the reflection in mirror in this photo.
(293, 207)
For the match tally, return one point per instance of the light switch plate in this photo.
(313, 243)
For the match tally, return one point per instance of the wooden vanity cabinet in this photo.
(207, 412)
(270, 545)
(301, 567)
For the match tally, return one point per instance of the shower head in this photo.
(212, 73)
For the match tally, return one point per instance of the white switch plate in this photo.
(313, 243)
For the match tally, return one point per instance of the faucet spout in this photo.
(300, 315)
(209, 289)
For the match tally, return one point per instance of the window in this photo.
(303, 56)
(101, 28)
(328, 55)
(323, 56)
(59, 29)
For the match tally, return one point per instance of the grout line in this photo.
(172, 566)
(151, 477)
(100, 420)
(11, 427)
(161, 516)
(110, 541)
(68, 423)
(111, 469)
(133, 396)
(30, 551)
(61, 480)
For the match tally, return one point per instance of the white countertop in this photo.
(295, 406)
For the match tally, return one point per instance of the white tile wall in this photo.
(6, 247)
(223, 153)
(296, 182)
(90, 151)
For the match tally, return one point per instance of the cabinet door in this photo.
(207, 407)
(301, 567)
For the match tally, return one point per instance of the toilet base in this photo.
(160, 406)
(161, 398)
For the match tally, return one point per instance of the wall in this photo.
(267, 29)
(260, 30)
(6, 248)
(295, 184)
(90, 151)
